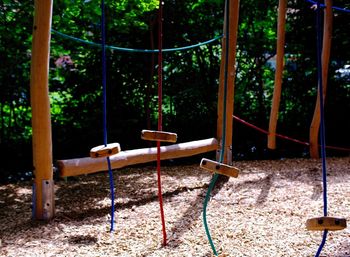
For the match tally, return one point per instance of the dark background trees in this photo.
(190, 77)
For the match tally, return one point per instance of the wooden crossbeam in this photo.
(326, 223)
(105, 150)
(161, 136)
(220, 168)
(87, 165)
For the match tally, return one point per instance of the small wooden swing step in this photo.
(220, 168)
(105, 150)
(161, 136)
(326, 223)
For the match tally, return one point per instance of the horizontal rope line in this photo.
(286, 137)
(334, 7)
(132, 50)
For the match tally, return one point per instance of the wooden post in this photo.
(281, 30)
(231, 72)
(41, 121)
(326, 52)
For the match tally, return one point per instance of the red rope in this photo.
(286, 137)
(160, 127)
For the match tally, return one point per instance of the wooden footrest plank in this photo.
(105, 151)
(217, 167)
(326, 223)
(161, 136)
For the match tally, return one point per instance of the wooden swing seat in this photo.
(160, 136)
(220, 168)
(326, 223)
(105, 150)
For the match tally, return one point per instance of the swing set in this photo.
(109, 156)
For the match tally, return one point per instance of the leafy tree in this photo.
(190, 77)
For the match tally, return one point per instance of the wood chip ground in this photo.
(260, 213)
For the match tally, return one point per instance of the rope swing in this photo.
(104, 84)
(322, 131)
(324, 223)
(222, 150)
(160, 135)
(160, 117)
(106, 149)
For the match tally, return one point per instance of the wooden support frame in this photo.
(281, 31)
(44, 207)
(159, 136)
(326, 52)
(74, 167)
(233, 25)
(326, 223)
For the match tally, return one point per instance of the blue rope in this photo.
(33, 200)
(322, 125)
(104, 85)
(132, 50)
(111, 186)
(222, 151)
(334, 7)
(323, 137)
(104, 72)
(324, 238)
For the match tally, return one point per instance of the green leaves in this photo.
(190, 78)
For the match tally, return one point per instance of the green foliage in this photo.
(14, 71)
(190, 78)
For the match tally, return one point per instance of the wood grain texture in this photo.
(220, 168)
(326, 223)
(74, 167)
(160, 136)
(40, 103)
(105, 150)
(281, 31)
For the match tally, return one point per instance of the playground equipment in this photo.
(326, 52)
(42, 146)
(281, 30)
(160, 135)
(324, 223)
(106, 150)
(326, 49)
(225, 107)
(44, 207)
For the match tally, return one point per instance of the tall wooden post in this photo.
(231, 72)
(281, 30)
(43, 188)
(326, 52)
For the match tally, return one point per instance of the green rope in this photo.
(132, 50)
(205, 204)
(222, 150)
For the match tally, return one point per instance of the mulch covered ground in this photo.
(261, 213)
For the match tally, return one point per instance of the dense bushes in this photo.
(190, 77)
